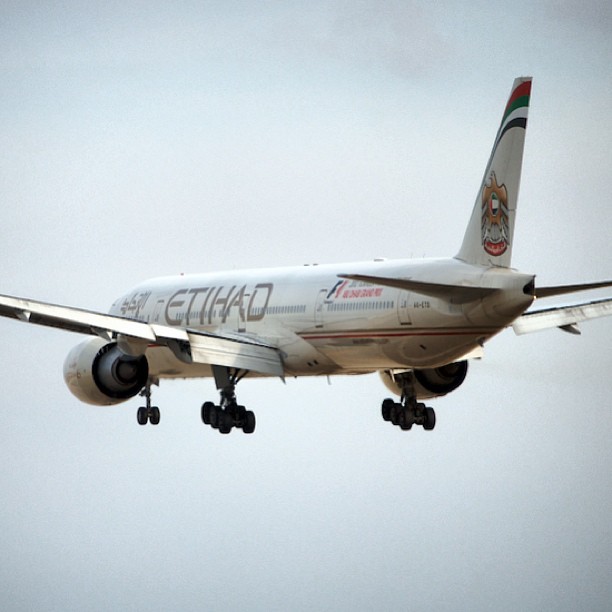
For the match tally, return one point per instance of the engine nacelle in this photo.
(431, 382)
(98, 373)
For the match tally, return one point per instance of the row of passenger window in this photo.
(284, 309)
(273, 310)
(352, 306)
(301, 309)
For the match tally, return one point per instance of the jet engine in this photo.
(98, 373)
(431, 382)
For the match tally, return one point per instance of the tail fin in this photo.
(489, 235)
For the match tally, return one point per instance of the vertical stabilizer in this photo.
(490, 232)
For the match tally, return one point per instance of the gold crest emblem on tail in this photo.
(495, 229)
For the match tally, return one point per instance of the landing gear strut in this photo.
(147, 414)
(228, 413)
(408, 411)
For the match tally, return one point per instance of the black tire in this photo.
(386, 408)
(405, 421)
(215, 411)
(396, 412)
(154, 416)
(142, 416)
(207, 410)
(225, 422)
(249, 422)
(430, 419)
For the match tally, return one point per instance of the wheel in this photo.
(142, 416)
(225, 422)
(405, 420)
(215, 411)
(386, 408)
(430, 419)
(207, 410)
(249, 422)
(154, 415)
(396, 411)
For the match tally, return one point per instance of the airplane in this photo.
(415, 322)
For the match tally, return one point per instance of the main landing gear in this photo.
(224, 417)
(408, 411)
(147, 414)
(228, 413)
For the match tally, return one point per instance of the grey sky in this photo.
(143, 139)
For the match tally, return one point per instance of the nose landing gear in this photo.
(148, 414)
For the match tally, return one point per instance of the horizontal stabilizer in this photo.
(542, 292)
(563, 317)
(455, 294)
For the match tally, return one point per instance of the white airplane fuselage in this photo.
(324, 324)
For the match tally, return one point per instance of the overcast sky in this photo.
(140, 139)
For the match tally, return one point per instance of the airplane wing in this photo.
(190, 345)
(563, 317)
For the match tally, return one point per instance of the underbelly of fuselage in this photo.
(392, 349)
(346, 352)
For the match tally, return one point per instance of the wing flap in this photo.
(564, 317)
(230, 352)
(456, 294)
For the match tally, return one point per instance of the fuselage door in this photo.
(319, 305)
(240, 313)
(157, 311)
(403, 307)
